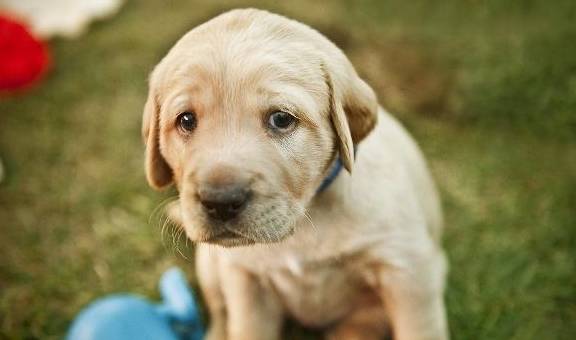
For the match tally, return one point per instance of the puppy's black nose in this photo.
(224, 202)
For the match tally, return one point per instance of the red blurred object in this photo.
(23, 57)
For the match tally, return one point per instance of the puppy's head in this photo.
(245, 115)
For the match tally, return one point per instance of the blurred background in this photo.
(487, 87)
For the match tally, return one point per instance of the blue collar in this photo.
(335, 169)
(332, 174)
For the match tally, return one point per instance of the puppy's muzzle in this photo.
(224, 202)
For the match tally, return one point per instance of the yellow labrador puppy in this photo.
(252, 116)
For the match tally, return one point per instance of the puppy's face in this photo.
(245, 115)
(247, 144)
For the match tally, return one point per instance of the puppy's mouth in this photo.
(264, 223)
(229, 238)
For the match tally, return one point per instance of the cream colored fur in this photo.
(360, 259)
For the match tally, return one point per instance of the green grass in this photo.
(487, 87)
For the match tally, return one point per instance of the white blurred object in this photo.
(67, 18)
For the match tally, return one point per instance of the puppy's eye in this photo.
(186, 121)
(281, 121)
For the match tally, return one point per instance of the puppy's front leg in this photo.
(413, 297)
(254, 311)
(211, 284)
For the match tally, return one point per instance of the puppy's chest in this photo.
(318, 294)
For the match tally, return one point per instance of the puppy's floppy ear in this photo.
(353, 106)
(158, 172)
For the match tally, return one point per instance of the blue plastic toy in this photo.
(126, 316)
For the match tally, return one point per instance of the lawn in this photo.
(488, 88)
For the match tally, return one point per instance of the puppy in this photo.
(252, 116)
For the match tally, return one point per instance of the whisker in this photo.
(309, 218)
(159, 214)
(163, 232)
(180, 233)
(160, 205)
(305, 213)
